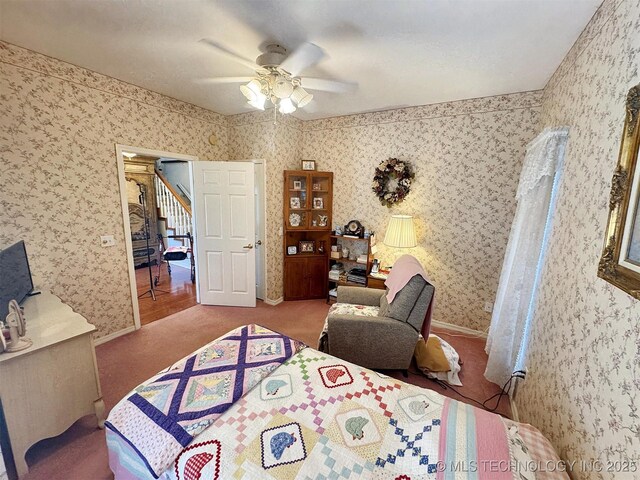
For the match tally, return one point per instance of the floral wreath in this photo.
(392, 169)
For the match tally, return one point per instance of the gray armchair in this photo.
(363, 328)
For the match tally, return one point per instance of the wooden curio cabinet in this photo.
(308, 200)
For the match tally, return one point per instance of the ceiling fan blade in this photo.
(231, 55)
(215, 80)
(328, 85)
(301, 58)
(311, 107)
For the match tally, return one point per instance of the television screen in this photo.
(15, 276)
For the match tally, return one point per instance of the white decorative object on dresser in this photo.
(48, 386)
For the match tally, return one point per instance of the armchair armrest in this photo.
(360, 295)
(372, 342)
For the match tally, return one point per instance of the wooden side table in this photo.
(375, 282)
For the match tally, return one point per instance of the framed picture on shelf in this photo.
(297, 184)
(307, 246)
(308, 164)
(294, 202)
(317, 186)
(292, 250)
(295, 219)
(318, 203)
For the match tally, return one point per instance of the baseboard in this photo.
(275, 302)
(111, 336)
(457, 328)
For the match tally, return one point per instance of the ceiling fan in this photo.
(277, 76)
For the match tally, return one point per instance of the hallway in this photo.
(182, 293)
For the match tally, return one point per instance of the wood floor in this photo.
(173, 294)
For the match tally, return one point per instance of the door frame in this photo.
(263, 209)
(262, 231)
(125, 213)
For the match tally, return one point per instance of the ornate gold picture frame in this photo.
(620, 261)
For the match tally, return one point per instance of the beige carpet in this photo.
(81, 453)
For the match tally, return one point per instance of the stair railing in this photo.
(172, 206)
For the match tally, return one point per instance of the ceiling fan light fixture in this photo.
(282, 87)
(252, 90)
(301, 97)
(286, 106)
(258, 102)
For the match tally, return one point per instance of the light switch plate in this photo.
(107, 241)
(488, 307)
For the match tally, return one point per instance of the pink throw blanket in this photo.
(405, 268)
(473, 443)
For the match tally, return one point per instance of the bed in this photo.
(255, 404)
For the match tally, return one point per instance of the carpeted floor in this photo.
(81, 453)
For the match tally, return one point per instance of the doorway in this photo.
(173, 292)
(261, 260)
(155, 191)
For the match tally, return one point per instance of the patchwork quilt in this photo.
(166, 413)
(318, 417)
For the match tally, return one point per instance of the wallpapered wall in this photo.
(467, 157)
(255, 135)
(60, 190)
(584, 360)
(59, 185)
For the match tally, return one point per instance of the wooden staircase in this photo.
(173, 209)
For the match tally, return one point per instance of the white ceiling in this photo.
(401, 53)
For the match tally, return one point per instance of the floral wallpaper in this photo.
(583, 385)
(467, 158)
(59, 192)
(59, 183)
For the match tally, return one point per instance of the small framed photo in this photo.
(307, 246)
(308, 164)
(318, 203)
(317, 186)
(294, 202)
(297, 184)
(292, 250)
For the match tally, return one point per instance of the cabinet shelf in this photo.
(305, 273)
(355, 239)
(345, 283)
(343, 260)
(360, 250)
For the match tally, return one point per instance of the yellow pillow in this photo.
(429, 356)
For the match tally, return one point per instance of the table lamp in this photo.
(400, 232)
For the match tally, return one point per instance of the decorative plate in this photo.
(295, 219)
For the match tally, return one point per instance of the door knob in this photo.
(259, 242)
(250, 246)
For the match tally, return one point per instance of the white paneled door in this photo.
(225, 232)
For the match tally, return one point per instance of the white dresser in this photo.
(47, 387)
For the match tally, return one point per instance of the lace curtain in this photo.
(515, 300)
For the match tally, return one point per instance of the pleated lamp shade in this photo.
(400, 232)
